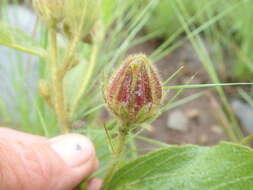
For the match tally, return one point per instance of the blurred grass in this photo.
(220, 33)
(225, 26)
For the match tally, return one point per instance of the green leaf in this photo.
(226, 166)
(19, 40)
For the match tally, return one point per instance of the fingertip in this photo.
(57, 163)
(76, 150)
(78, 153)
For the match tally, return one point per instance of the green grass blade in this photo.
(204, 85)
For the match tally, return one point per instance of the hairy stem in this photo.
(57, 81)
(116, 157)
(70, 54)
(247, 140)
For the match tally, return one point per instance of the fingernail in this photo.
(75, 150)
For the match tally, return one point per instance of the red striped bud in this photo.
(134, 93)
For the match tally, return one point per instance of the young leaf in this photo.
(19, 40)
(222, 167)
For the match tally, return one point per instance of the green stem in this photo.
(57, 81)
(247, 140)
(87, 78)
(116, 157)
(72, 48)
(27, 50)
(70, 54)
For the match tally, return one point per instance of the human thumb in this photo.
(30, 162)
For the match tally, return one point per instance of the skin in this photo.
(33, 162)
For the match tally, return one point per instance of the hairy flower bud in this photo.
(134, 93)
(50, 11)
(80, 17)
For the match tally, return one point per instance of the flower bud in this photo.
(50, 11)
(80, 17)
(134, 93)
